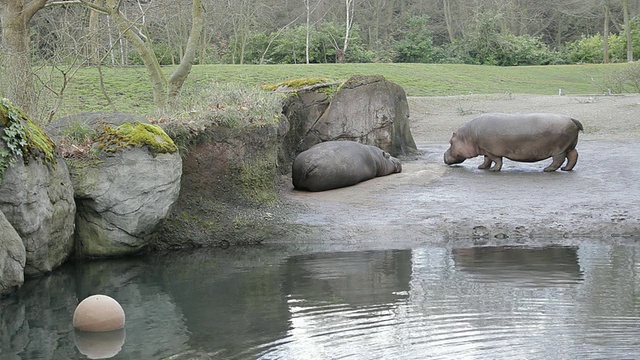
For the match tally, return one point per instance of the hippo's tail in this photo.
(578, 124)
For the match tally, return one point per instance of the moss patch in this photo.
(296, 83)
(257, 181)
(294, 86)
(22, 137)
(127, 135)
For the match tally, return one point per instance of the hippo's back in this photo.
(331, 165)
(526, 125)
(523, 137)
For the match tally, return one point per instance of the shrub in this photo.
(287, 46)
(503, 50)
(413, 44)
(486, 44)
(621, 80)
(590, 49)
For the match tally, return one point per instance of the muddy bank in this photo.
(430, 202)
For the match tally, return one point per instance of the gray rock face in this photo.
(369, 110)
(302, 111)
(122, 200)
(122, 196)
(366, 109)
(12, 258)
(37, 199)
(227, 185)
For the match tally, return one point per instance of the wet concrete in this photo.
(430, 202)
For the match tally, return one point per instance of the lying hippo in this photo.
(335, 164)
(519, 137)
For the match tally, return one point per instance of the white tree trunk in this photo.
(341, 55)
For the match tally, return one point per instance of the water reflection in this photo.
(554, 302)
(520, 266)
(99, 345)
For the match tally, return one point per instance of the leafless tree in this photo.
(605, 34)
(15, 16)
(627, 30)
(17, 13)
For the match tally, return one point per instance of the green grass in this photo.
(130, 89)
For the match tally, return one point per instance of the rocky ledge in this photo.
(127, 189)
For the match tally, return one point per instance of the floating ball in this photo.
(98, 313)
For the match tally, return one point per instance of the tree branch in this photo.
(92, 6)
(32, 8)
(179, 75)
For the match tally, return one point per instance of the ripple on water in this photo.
(479, 305)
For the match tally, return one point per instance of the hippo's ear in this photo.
(386, 155)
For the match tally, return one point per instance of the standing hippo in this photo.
(519, 137)
(335, 164)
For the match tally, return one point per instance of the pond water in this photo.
(429, 302)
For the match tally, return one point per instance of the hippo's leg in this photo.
(572, 159)
(487, 162)
(557, 161)
(498, 162)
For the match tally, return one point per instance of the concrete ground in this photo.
(430, 202)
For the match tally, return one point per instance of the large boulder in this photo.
(228, 192)
(367, 109)
(12, 258)
(302, 110)
(36, 194)
(125, 186)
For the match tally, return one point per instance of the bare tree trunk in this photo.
(605, 36)
(16, 52)
(448, 20)
(180, 74)
(243, 47)
(158, 80)
(306, 47)
(94, 40)
(627, 30)
(202, 57)
(341, 53)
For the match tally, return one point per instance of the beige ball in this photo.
(98, 313)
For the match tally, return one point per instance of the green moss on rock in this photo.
(296, 83)
(22, 137)
(257, 181)
(112, 139)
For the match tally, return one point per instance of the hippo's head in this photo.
(451, 159)
(456, 153)
(397, 164)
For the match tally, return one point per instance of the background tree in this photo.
(15, 16)
(605, 42)
(414, 42)
(627, 30)
(58, 40)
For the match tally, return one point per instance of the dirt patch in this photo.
(432, 202)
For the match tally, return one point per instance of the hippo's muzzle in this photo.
(451, 160)
(397, 164)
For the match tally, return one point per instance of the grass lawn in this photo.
(130, 90)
